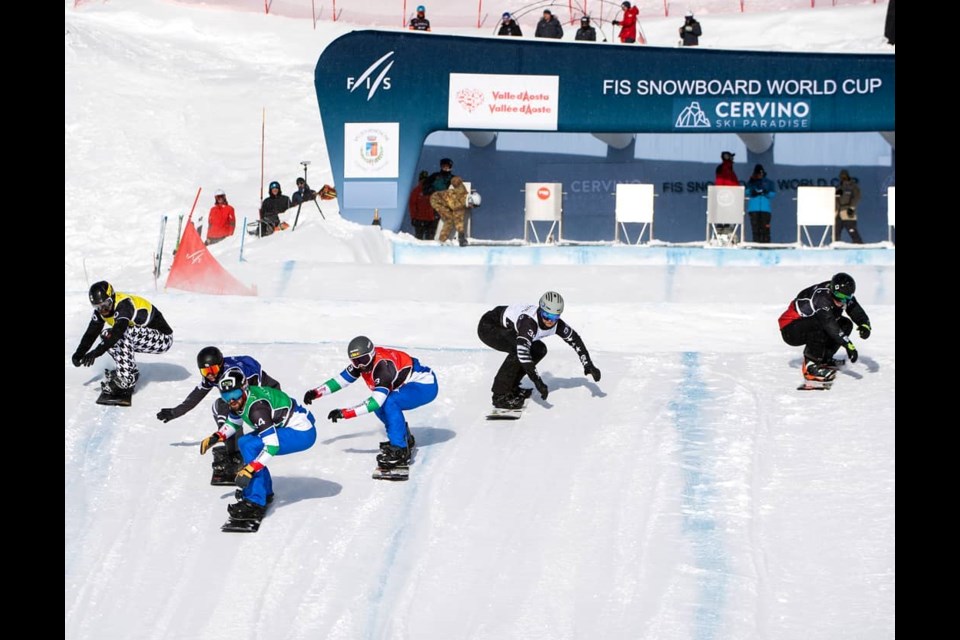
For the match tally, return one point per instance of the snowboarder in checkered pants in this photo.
(127, 324)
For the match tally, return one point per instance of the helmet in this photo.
(448, 161)
(551, 303)
(233, 387)
(274, 185)
(474, 200)
(360, 351)
(209, 357)
(102, 296)
(842, 286)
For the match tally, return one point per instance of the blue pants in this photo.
(409, 396)
(291, 440)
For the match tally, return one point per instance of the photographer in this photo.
(690, 32)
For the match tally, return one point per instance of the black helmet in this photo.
(209, 356)
(448, 161)
(360, 351)
(842, 286)
(102, 296)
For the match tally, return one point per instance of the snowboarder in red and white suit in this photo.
(398, 383)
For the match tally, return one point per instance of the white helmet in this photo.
(474, 200)
(551, 303)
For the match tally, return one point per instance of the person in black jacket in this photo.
(586, 32)
(690, 32)
(815, 321)
(549, 27)
(303, 193)
(273, 205)
(134, 325)
(509, 26)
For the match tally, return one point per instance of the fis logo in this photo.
(366, 81)
(196, 256)
(692, 117)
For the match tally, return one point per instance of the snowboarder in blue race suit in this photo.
(398, 383)
(280, 427)
(213, 366)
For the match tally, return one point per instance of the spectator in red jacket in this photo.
(222, 219)
(726, 177)
(628, 26)
(422, 216)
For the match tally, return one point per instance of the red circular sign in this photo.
(543, 193)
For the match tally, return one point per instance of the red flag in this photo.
(195, 269)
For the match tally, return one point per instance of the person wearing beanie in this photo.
(586, 32)
(690, 32)
(419, 22)
(509, 26)
(548, 27)
(760, 191)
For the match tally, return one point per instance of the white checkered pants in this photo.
(136, 340)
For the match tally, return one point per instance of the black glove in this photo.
(590, 370)
(77, 358)
(310, 396)
(864, 331)
(336, 414)
(615, 23)
(88, 358)
(541, 387)
(209, 441)
(851, 352)
(166, 415)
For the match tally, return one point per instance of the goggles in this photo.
(362, 362)
(842, 297)
(549, 317)
(104, 307)
(233, 395)
(210, 371)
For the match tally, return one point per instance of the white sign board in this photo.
(543, 200)
(891, 207)
(634, 203)
(816, 206)
(371, 150)
(724, 205)
(488, 101)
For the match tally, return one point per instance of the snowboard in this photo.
(395, 473)
(826, 385)
(506, 414)
(109, 399)
(233, 525)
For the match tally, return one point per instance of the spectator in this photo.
(725, 177)
(548, 27)
(890, 26)
(422, 216)
(760, 191)
(690, 32)
(439, 180)
(628, 26)
(303, 193)
(848, 197)
(274, 204)
(586, 32)
(509, 26)
(419, 22)
(452, 206)
(223, 219)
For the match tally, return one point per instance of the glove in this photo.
(336, 414)
(76, 358)
(166, 415)
(615, 23)
(851, 352)
(245, 476)
(88, 358)
(864, 331)
(541, 387)
(209, 441)
(311, 395)
(590, 370)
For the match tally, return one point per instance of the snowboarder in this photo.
(213, 366)
(280, 427)
(135, 326)
(398, 382)
(815, 320)
(518, 330)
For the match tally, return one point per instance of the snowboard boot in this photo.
(817, 372)
(411, 441)
(246, 510)
(393, 457)
(507, 401)
(523, 393)
(112, 392)
(238, 494)
(234, 462)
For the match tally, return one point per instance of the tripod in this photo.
(306, 184)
